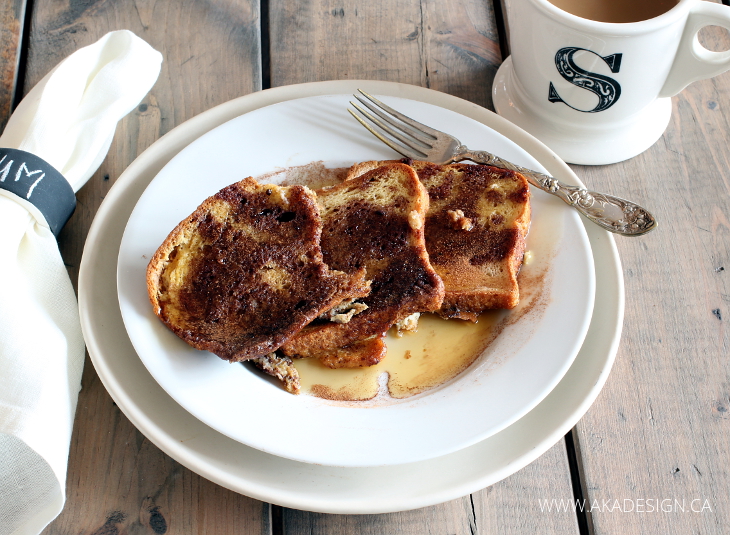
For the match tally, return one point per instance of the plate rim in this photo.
(179, 137)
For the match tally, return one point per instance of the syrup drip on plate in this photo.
(416, 362)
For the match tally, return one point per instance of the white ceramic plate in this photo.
(324, 488)
(514, 374)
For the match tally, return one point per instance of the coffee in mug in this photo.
(598, 91)
(615, 10)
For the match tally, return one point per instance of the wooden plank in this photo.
(12, 16)
(530, 501)
(118, 481)
(455, 517)
(452, 47)
(449, 46)
(660, 430)
(516, 505)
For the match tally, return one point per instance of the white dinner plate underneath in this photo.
(307, 486)
(509, 378)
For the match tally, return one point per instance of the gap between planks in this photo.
(26, 16)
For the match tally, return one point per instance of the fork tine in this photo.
(410, 122)
(419, 136)
(409, 142)
(407, 152)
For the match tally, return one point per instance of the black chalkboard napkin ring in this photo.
(38, 186)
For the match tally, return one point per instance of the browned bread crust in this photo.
(374, 221)
(244, 272)
(476, 227)
(360, 354)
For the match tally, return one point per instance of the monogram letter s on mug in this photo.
(593, 79)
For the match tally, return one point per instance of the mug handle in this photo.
(693, 61)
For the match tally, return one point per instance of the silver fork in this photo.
(420, 142)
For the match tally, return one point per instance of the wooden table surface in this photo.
(659, 430)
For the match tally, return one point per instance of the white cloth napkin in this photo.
(68, 120)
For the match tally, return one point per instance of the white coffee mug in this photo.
(597, 92)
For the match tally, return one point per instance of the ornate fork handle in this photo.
(611, 213)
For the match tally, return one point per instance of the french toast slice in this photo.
(244, 272)
(375, 222)
(476, 227)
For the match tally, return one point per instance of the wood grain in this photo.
(660, 429)
(455, 517)
(522, 503)
(12, 17)
(118, 481)
(511, 506)
(449, 46)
